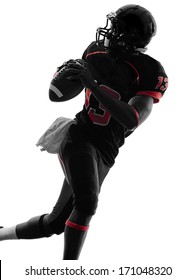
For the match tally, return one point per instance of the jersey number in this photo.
(102, 116)
(162, 83)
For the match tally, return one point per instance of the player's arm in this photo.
(129, 114)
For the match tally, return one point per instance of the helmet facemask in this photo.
(103, 35)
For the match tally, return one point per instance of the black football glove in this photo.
(79, 70)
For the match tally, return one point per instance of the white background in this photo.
(146, 210)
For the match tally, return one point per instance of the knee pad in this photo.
(53, 227)
(86, 204)
(32, 229)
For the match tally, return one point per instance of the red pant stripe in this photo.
(76, 226)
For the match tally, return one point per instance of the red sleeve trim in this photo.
(155, 94)
(98, 52)
(76, 226)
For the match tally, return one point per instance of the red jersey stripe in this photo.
(98, 52)
(136, 71)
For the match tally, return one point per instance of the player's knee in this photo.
(51, 227)
(87, 204)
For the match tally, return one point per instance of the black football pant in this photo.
(85, 172)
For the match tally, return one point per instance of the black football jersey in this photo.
(122, 78)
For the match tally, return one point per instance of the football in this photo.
(63, 89)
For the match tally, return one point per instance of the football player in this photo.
(121, 85)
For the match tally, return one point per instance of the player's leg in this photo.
(44, 225)
(8, 233)
(83, 172)
(54, 222)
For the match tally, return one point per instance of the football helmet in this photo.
(131, 27)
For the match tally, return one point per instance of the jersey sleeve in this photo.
(153, 81)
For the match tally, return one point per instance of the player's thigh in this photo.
(82, 171)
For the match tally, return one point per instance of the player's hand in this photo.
(66, 64)
(79, 70)
(61, 67)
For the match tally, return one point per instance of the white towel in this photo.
(53, 137)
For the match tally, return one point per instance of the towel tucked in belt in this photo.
(53, 137)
